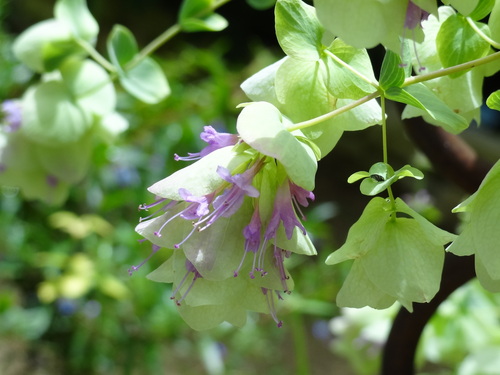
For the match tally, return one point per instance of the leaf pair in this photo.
(381, 176)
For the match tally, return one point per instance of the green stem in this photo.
(154, 45)
(385, 156)
(453, 69)
(485, 37)
(351, 69)
(336, 112)
(96, 55)
(166, 36)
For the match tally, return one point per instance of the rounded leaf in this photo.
(51, 117)
(262, 126)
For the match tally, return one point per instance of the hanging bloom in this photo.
(235, 200)
(480, 235)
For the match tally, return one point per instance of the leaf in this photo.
(483, 8)
(400, 95)
(122, 46)
(201, 177)
(342, 83)
(90, 86)
(392, 73)
(51, 117)
(493, 100)
(262, 126)
(357, 176)
(457, 43)
(45, 45)
(439, 111)
(362, 23)
(298, 30)
(494, 21)
(76, 16)
(463, 6)
(261, 4)
(198, 15)
(381, 176)
(145, 80)
(212, 22)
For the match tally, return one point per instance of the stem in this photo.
(453, 69)
(96, 55)
(385, 157)
(336, 112)
(166, 36)
(154, 45)
(351, 69)
(485, 37)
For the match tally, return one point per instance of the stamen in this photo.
(271, 306)
(279, 261)
(190, 269)
(154, 250)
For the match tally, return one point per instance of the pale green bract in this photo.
(262, 126)
(395, 258)
(480, 235)
(367, 23)
(461, 95)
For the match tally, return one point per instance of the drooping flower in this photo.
(234, 200)
(480, 235)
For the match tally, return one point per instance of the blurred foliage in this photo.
(67, 303)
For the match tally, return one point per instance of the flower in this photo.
(234, 200)
(395, 258)
(12, 115)
(215, 141)
(480, 235)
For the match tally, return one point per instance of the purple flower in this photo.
(12, 115)
(414, 16)
(215, 141)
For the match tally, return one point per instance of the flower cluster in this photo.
(232, 218)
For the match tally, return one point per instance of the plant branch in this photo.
(351, 69)
(453, 69)
(96, 55)
(336, 112)
(485, 37)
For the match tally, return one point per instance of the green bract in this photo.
(201, 177)
(210, 303)
(366, 23)
(480, 235)
(76, 16)
(395, 258)
(462, 95)
(45, 45)
(263, 127)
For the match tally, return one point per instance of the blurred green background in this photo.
(67, 303)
